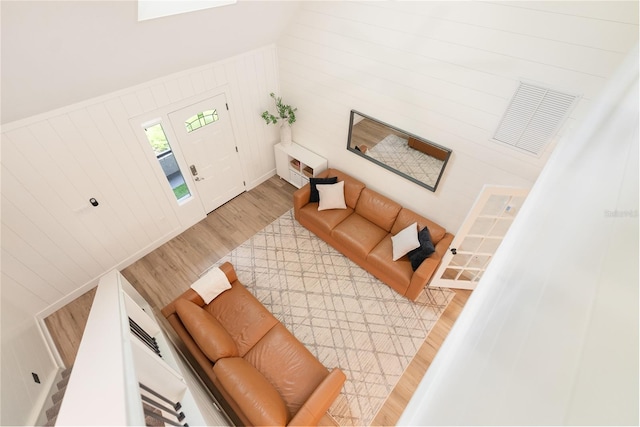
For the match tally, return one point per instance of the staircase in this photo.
(52, 412)
(118, 376)
(153, 416)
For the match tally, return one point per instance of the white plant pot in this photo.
(285, 133)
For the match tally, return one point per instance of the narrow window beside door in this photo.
(158, 140)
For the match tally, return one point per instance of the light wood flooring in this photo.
(369, 133)
(166, 272)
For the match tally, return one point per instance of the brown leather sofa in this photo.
(263, 373)
(364, 229)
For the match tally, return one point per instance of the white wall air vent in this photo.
(533, 117)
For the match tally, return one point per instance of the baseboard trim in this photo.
(254, 183)
(92, 283)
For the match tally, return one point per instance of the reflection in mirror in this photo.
(414, 158)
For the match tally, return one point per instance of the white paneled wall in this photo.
(444, 71)
(55, 245)
(555, 341)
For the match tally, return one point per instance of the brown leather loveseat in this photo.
(363, 230)
(263, 373)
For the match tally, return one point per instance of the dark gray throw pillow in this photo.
(314, 196)
(425, 250)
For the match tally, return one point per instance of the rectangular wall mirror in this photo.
(417, 159)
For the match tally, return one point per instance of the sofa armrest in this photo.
(300, 199)
(422, 276)
(320, 400)
(189, 295)
(189, 343)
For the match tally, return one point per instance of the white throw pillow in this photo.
(331, 196)
(405, 241)
(211, 284)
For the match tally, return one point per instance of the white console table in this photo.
(296, 164)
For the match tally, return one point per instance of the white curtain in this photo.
(550, 336)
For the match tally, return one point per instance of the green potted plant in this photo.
(286, 113)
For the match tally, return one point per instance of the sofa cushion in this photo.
(288, 366)
(378, 209)
(314, 196)
(207, 332)
(405, 241)
(359, 234)
(352, 187)
(259, 401)
(331, 196)
(397, 272)
(242, 315)
(407, 216)
(326, 220)
(424, 251)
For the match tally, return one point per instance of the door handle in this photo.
(194, 171)
(199, 179)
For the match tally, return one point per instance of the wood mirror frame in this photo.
(414, 158)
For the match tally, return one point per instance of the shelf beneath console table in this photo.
(297, 164)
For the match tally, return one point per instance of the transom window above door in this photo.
(201, 119)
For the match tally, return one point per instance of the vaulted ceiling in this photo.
(55, 53)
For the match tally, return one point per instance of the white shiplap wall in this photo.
(555, 341)
(55, 245)
(444, 71)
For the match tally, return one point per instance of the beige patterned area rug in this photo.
(342, 314)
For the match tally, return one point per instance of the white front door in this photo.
(479, 237)
(207, 142)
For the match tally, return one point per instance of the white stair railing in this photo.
(121, 376)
